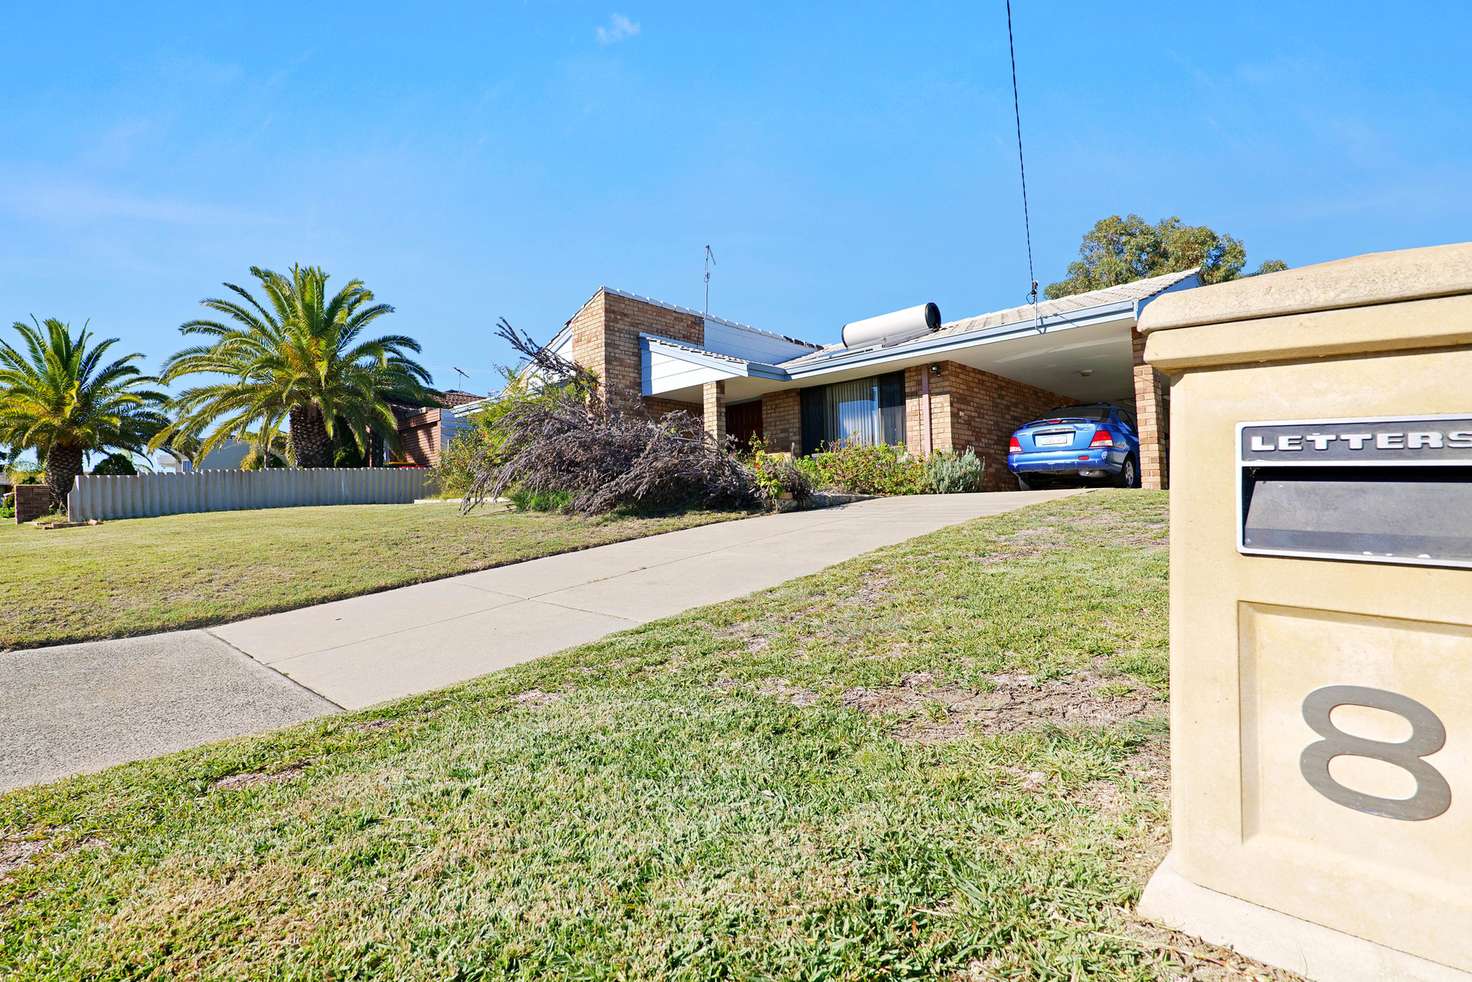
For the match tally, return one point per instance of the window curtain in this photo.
(853, 415)
(863, 411)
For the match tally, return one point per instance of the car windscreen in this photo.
(1092, 411)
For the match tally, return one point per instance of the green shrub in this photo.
(952, 473)
(478, 448)
(7, 509)
(116, 464)
(860, 469)
(523, 500)
(453, 475)
(778, 476)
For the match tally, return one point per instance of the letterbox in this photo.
(1321, 615)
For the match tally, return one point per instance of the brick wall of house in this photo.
(1152, 413)
(588, 348)
(605, 338)
(419, 438)
(973, 408)
(657, 406)
(782, 421)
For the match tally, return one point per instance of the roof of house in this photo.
(711, 317)
(1093, 305)
(665, 342)
(1059, 309)
(738, 325)
(1137, 290)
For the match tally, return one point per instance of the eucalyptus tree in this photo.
(1120, 250)
(62, 398)
(297, 358)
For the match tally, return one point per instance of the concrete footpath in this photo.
(82, 707)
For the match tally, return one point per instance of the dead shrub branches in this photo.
(560, 435)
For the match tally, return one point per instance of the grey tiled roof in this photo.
(1137, 290)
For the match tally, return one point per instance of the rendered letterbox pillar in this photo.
(1321, 615)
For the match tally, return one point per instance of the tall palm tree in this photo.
(297, 357)
(59, 398)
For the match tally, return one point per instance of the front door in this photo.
(744, 421)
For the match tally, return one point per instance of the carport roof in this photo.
(1126, 294)
(1138, 290)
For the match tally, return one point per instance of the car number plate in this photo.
(1053, 439)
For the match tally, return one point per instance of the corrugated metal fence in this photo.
(146, 495)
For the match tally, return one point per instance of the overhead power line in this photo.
(1032, 277)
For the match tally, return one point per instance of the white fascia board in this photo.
(729, 365)
(936, 346)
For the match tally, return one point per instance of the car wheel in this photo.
(1129, 474)
(1023, 484)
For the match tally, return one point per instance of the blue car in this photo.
(1077, 444)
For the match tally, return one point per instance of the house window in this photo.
(863, 410)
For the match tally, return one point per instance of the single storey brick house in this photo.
(958, 385)
(424, 431)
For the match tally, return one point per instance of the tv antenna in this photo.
(710, 260)
(462, 373)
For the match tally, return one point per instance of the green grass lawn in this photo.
(155, 574)
(946, 759)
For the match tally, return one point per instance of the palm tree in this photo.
(59, 398)
(298, 357)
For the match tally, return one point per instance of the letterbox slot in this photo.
(1397, 514)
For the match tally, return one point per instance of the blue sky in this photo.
(488, 159)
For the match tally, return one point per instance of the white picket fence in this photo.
(146, 495)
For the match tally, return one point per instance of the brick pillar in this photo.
(919, 425)
(715, 410)
(1152, 413)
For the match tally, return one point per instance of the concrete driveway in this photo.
(87, 706)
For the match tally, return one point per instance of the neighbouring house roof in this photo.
(449, 399)
(458, 397)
